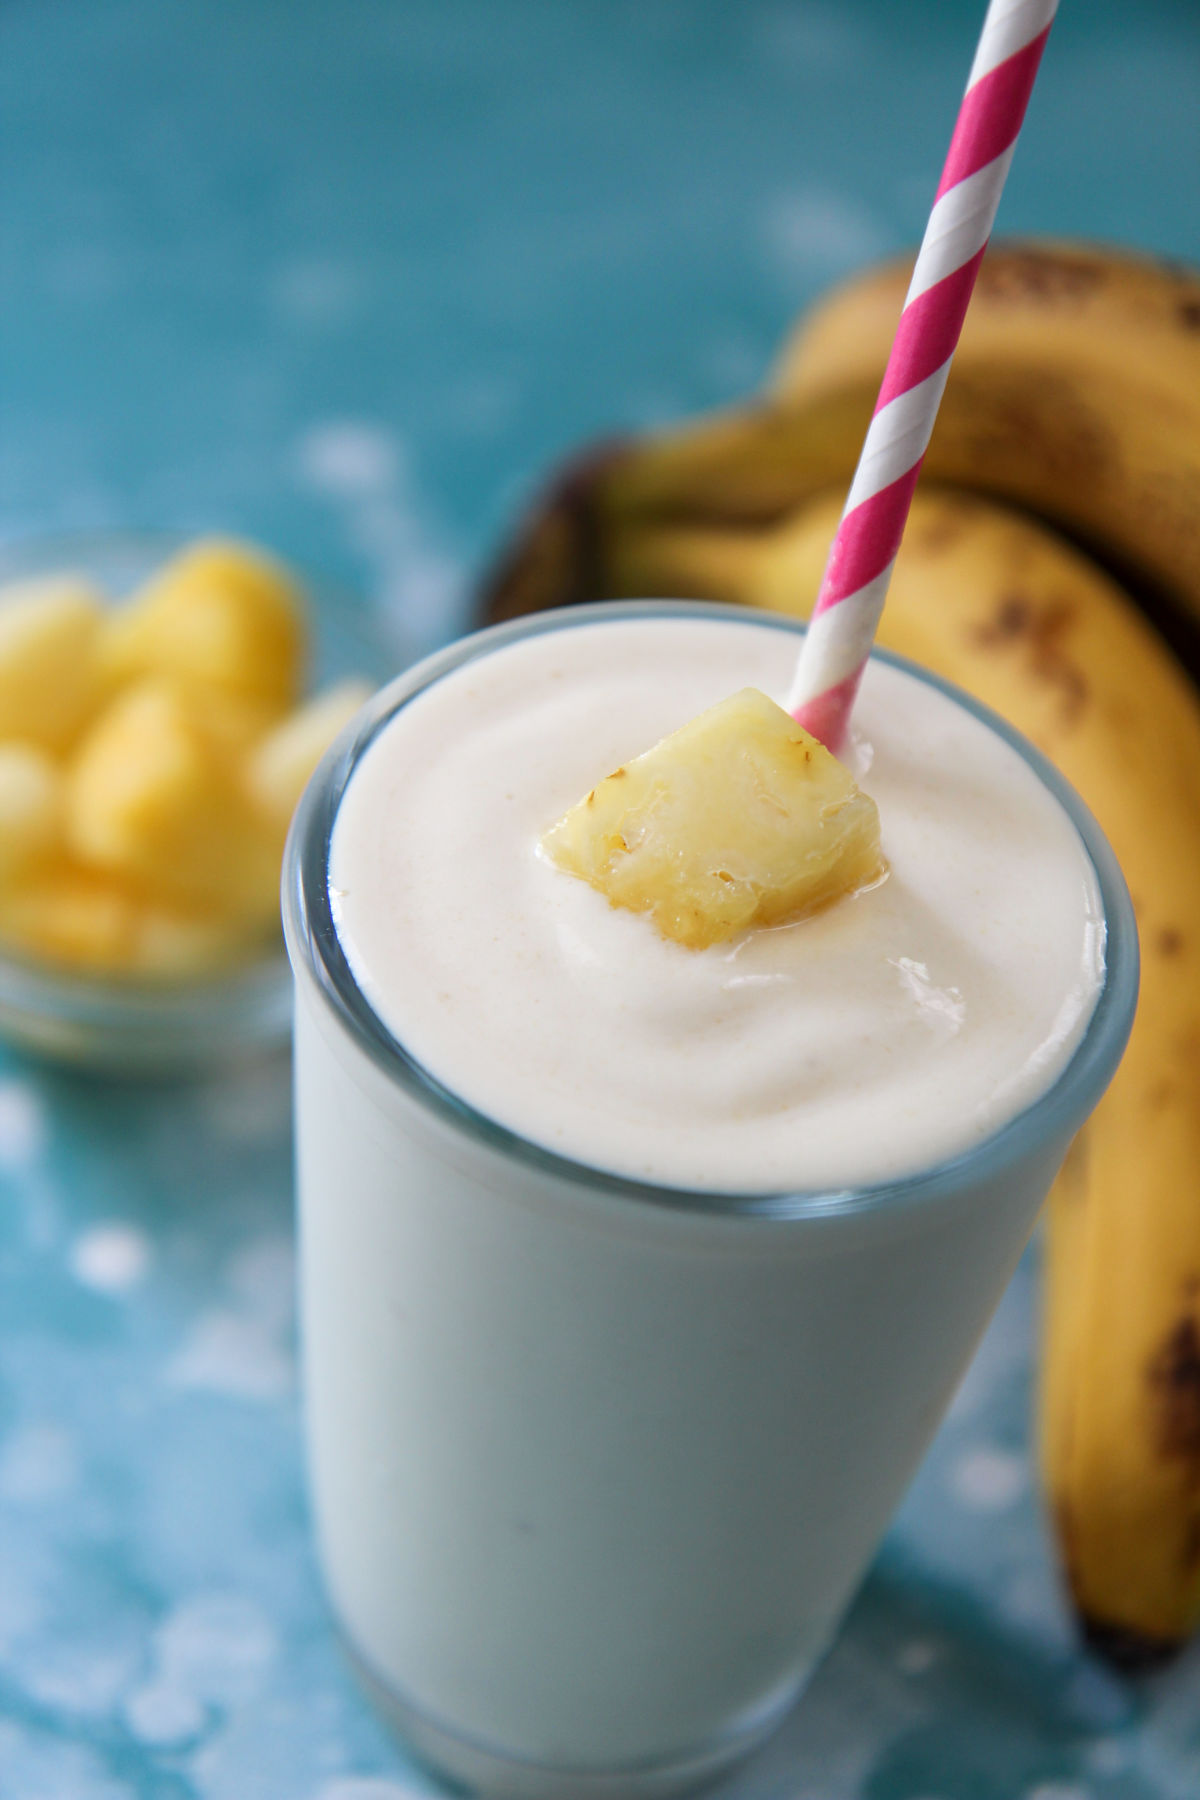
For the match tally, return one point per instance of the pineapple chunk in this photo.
(217, 616)
(49, 684)
(90, 921)
(30, 808)
(738, 819)
(229, 720)
(283, 762)
(154, 797)
(66, 914)
(171, 944)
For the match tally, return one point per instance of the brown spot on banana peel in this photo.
(1127, 1649)
(1169, 942)
(1011, 620)
(1041, 629)
(937, 531)
(1173, 1375)
(1000, 412)
(1159, 603)
(1130, 1651)
(1044, 274)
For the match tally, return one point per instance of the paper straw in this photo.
(842, 629)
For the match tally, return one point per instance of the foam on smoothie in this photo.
(871, 1041)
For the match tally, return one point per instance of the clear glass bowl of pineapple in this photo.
(162, 703)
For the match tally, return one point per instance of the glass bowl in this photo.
(138, 1025)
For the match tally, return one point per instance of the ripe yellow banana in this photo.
(999, 605)
(1075, 391)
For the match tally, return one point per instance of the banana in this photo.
(1075, 392)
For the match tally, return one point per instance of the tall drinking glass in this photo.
(596, 1465)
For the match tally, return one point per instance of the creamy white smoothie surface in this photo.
(882, 1037)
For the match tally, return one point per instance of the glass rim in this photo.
(313, 945)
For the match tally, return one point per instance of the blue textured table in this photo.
(347, 278)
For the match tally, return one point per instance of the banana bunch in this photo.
(1072, 413)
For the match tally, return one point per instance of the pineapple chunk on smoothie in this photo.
(739, 819)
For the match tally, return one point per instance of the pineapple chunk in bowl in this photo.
(162, 702)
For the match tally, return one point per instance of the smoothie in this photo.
(883, 1036)
(635, 1278)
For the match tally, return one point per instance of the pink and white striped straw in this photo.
(840, 634)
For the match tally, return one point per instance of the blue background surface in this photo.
(347, 278)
